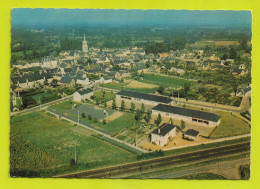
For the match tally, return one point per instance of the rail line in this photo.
(151, 164)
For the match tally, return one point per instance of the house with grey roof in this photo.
(83, 94)
(161, 135)
(188, 115)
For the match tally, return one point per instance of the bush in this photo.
(72, 162)
(89, 117)
(104, 122)
(95, 120)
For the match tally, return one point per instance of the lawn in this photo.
(53, 142)
(120, 86)
(41, 95)
(230, 126)
(104, 96)
(125, 121)
(164, 80)
(64, 106)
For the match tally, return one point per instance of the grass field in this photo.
(52, 142)
(120, 86)
(164, 80)
(103, 96)
(229, 126)
(40, 95)
(64, 106)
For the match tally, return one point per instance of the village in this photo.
(107, 85)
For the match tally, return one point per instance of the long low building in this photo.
(142, 97)
(188, 115)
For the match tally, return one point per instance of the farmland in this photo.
(56, 147)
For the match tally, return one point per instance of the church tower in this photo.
(84, 45)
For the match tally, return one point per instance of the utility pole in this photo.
(78, 116)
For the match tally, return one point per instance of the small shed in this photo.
(191, 134)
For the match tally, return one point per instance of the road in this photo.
(222, 166)
(40, 106)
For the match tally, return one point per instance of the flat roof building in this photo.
(142, 97)
(189, 115)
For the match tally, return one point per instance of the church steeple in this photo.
(84, 44)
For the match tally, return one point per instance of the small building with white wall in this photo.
(83, 94)
(161, 135)
(191, 134)
(187, 115)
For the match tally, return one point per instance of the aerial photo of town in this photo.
(130, 94)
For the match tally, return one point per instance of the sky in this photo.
(65, 17)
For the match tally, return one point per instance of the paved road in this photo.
(209, 168)
(40, 106)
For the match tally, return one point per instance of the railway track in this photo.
(151, 164)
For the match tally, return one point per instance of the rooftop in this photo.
(145, 96)
(164, 129)
(187, 112)
(192, 132)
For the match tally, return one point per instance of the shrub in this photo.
(89, 117)
(104, 122)
(95, 120)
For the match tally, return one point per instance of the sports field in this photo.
(166, 81)
(42, 145)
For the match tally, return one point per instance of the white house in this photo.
(187, 115)
(83, 94)
(162, 135)
(105, 79)
(83, 81)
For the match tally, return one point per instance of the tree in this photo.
(105, 104)
(132, 109)
(243, 44)
(142, 108)
(179, 43)
(114, 104)
(171, 121)
(97, 101)
(186, 87)
(89, 117)
(158, 120)
(104, 122)
(138, 115)
(83, 115)
(122, 105)
(160, 90)
(95, 120)
(148, 116)
(183, 125)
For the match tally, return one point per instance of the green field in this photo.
(164, 80)
(229, 126)
(120, 86)
(42, 145)
(64, 106)
(104, 96)
(41, 95)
